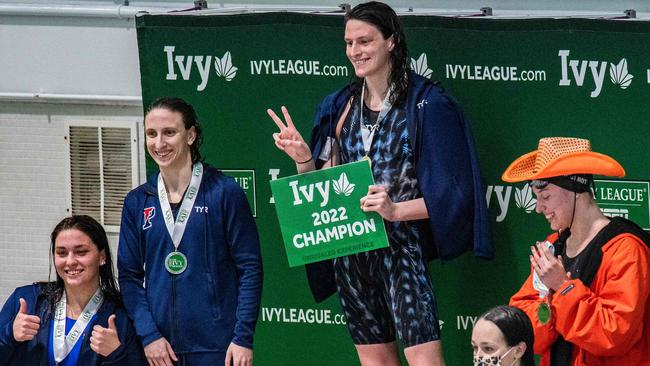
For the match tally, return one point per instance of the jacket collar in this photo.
(151, 185)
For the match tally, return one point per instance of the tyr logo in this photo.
(149, 213)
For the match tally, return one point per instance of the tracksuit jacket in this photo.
(216, 300)
(608, 322)
(36, 353)
(446, 165)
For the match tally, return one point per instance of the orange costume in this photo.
(601, 315)
(608, 323)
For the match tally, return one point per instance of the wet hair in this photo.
(190, 120)
(516, 327)
(384, 18)
(89, 226)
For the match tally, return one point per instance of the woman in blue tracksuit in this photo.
(189, 260)
(92, 328)
(427, 188)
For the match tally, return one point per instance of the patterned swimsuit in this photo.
(389, 289)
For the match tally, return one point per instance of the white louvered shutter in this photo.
(101, 171)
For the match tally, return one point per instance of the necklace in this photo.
(368, 130)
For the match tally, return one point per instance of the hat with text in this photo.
(560, 156)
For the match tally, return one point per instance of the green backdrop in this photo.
(518, 80)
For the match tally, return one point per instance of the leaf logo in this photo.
(224, 68)
(524, 198)
(343, 185)
(420, 66)
(618, 74)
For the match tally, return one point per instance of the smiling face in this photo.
(367, 49)
(77, 260)
(556, 204)
(168, 141)
(488, 342)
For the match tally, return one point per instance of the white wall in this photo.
(34, 184)
(67, 55)
(73, 58)
(31, 183)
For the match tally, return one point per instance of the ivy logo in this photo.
(223, 67)
(343, 185)
(618, 74)
(524, 198)
(591, 73)
(420, 66)
(198, 68)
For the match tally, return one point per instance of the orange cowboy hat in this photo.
(558, 156)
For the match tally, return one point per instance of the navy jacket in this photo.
(216, 300)
(447, 168)
(35, 352)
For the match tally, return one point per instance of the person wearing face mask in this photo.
(503, 336)
(587, 294)
(78, 319)
(427, 188)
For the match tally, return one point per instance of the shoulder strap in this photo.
(344, 115)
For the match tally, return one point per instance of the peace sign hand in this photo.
(289, 139)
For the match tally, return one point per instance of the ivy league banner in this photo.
(320, 217)
(518, 80)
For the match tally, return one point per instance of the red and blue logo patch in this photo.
(149, 213)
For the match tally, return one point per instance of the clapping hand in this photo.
(548, 267)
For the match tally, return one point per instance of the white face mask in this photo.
(491, 360)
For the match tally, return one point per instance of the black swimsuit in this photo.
(388, 289)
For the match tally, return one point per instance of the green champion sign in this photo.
(320, 217)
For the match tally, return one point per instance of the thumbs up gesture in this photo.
(105, 340)
(25, 326)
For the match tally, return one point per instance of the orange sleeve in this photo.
(527, 299)
(608, 320)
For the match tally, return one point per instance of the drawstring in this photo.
(573, 215)
(563, 235)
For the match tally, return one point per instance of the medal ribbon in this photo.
(64, 344)
(176, 229)
(368, 134)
